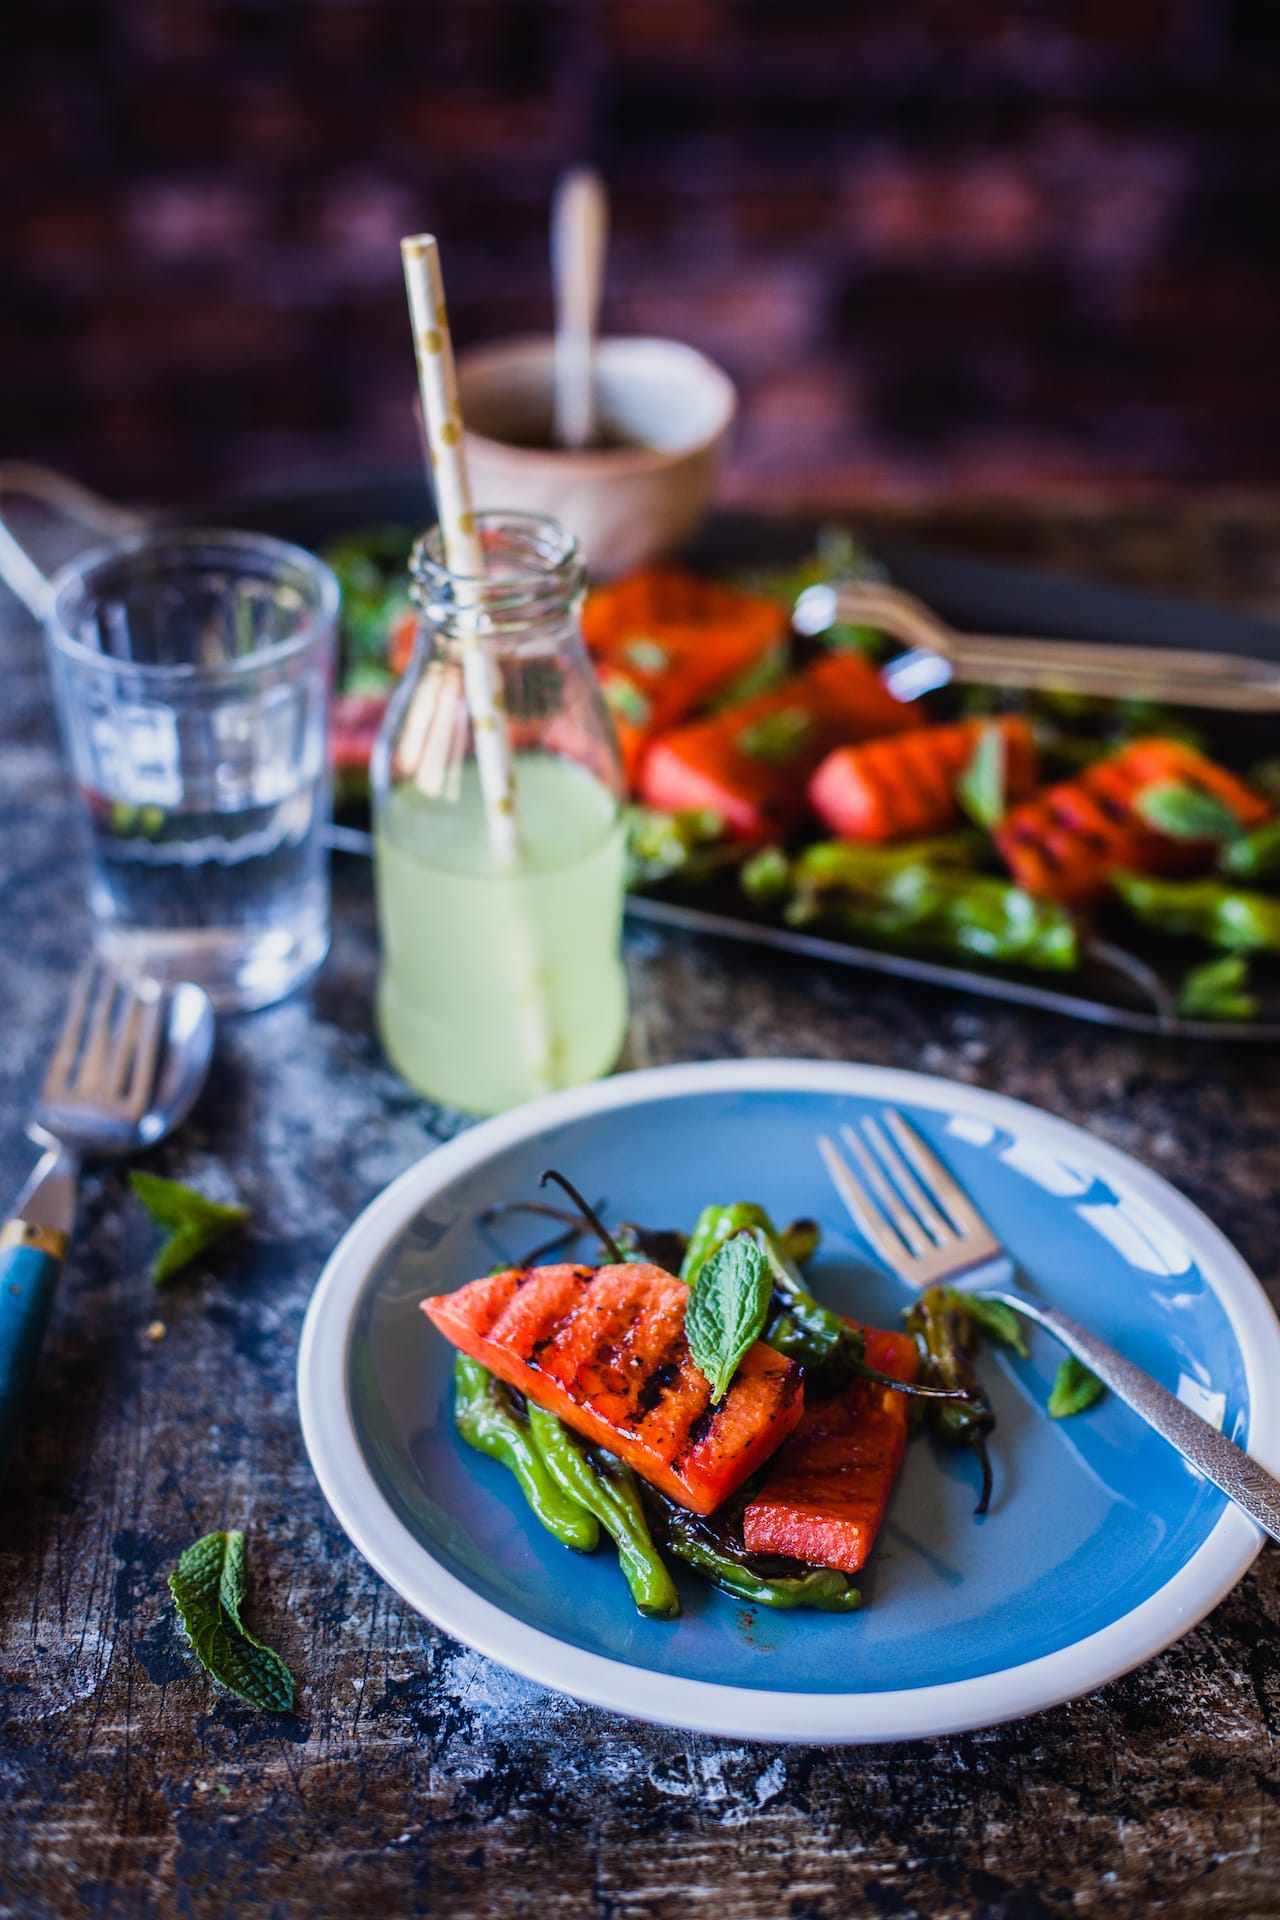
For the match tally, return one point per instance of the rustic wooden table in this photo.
(415, 1777)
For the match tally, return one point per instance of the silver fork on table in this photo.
(925, 1227)
(127, 1067)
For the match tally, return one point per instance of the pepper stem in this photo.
(589, 1214)
(978, 1442)
(910, 1388)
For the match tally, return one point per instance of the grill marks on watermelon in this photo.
(1067, 840)
(824, 1498)
(750, 763)
(903, 786)
(605, 1349)
(667, 643)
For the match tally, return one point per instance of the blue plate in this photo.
(1102, 1546)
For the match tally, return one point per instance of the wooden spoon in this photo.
(579, 237)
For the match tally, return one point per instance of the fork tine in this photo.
(931, 1170)
(123, 1045)
(58, 1075)
(90, 1075)
(902, 1217)
(149, 1028)
(872, 1224)
(908, 1186)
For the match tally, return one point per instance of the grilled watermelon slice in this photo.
(750, 763)
(605, 1349)
(825, 1496)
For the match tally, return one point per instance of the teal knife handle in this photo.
(29, 1273)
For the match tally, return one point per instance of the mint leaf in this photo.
(1218, 990)
(626, 702)
(996, 1320)
(194, 1223)
(1074, 1389)
(981, 786)
(777, 738)
(208, 1591)
(727, 1308)
(645, 655)
(1186, 813)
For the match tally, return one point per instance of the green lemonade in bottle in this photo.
(501, 970)
(451, 919)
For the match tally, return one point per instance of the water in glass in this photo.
(192, 675)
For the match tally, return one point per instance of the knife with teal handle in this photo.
(33, 1246)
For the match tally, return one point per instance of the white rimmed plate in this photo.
(1102, 1547)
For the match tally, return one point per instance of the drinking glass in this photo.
(191, 673)
(500, 979)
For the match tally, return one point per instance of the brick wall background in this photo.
(944, 245)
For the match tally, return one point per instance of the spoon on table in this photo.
(131, 1059)
(579, 236)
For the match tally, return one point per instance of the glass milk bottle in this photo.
(501, 979)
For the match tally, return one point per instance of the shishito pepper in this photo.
(945, 1332)
(915, 898)
(1253, 856)
(608, 1489)
(688, 847)
(1229, 917)
(485, 1418)
(730, 1568)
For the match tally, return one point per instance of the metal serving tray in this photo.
(974, 596)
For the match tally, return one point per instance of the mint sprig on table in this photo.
(193, 1223)
(208, 1590)
(727, 1309)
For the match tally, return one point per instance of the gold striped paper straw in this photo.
(482, 678)
(463, 552)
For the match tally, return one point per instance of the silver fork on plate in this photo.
(925, 1227)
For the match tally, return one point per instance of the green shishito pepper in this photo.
(487, 1421)
(944, 1330)
(923, 895)
(608, 1489)
(1253, 856)
(592, 1486)
(820, 1587)
(1228, 917)
(688, 846)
